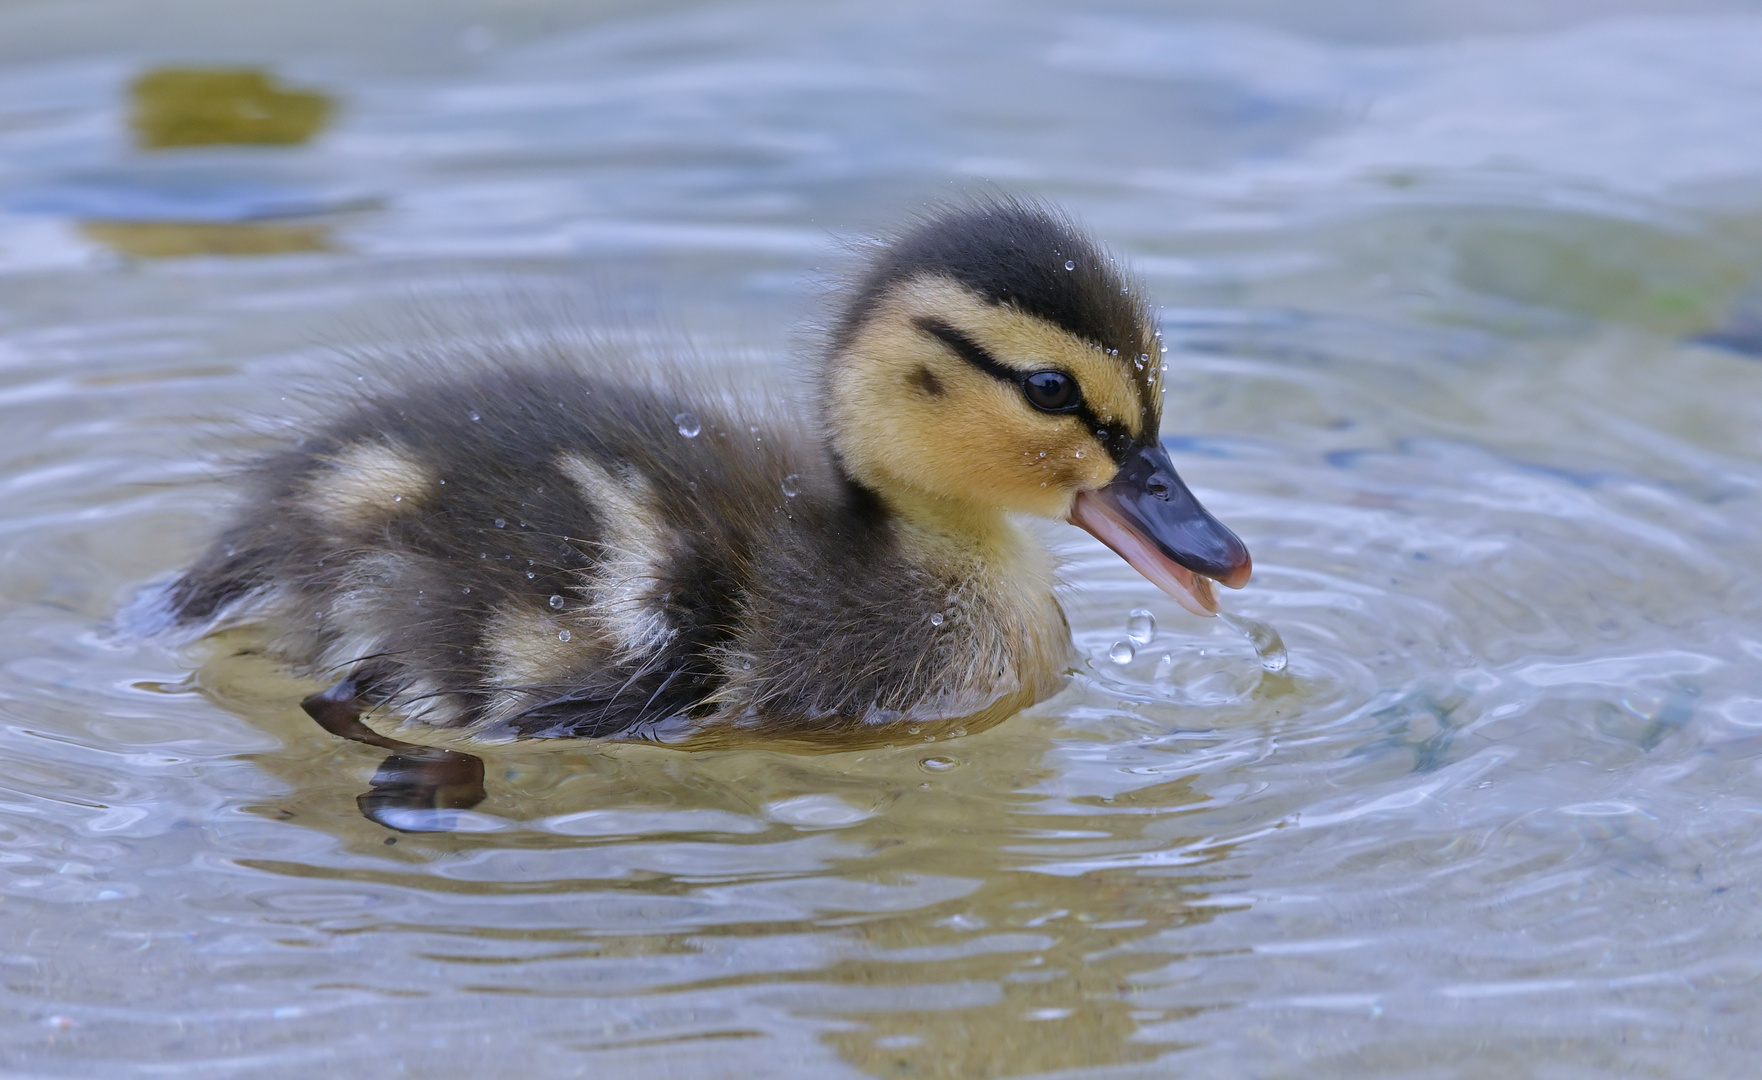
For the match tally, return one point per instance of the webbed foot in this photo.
(411, 785)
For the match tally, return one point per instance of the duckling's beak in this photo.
(1150, 519)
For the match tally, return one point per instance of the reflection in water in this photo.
(176, 107)
(174, 239)
(928, 910)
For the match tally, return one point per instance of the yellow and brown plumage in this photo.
(550, 550)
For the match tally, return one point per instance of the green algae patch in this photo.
(179, 107)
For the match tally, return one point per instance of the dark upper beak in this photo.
(1147, 515)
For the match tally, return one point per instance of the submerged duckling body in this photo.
(542, 550)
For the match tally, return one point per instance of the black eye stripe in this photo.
(1116, 439)
(968, 349)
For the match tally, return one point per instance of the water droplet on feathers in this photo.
(936, 619)
(474, 416)
(556, 603)
(1122, 652)
(687, 424)
(1069, 265)
(792, 485)
(563, 635)
(501, 523)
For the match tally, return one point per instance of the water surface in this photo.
(1464, 320)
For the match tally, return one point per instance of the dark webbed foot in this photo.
(411, 785)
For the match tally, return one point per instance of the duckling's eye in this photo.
(1052, 391)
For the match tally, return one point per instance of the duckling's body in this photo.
(547, 551)
(542, 553)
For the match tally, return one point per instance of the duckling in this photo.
(546, 550)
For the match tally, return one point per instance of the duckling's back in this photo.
(541, 552)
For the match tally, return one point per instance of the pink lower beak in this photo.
(1150, 519)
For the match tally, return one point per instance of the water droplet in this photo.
(530, 575)
(1141, 626)
(1069, 265)
(1042, 453)
(1165, 668)
(556, 603)
(466, 589)
(397, 498)
(692, 484)
(483, 554)
(792, 485)
(1268, 645)
(936, 618)
(1122, 652)
(1079, 453)
(563, 635)
(474, 416)
(937, 764)
(687, 424)
(746, 665)
(501, 523)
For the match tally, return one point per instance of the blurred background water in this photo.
(1466, 342)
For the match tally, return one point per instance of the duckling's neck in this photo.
(948, 529)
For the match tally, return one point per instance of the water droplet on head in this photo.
(936, 618)
(501, 523)
(556, 603)
(1122, 652)
(483, 554)
(937, 764)
(397, 498)
(687, 424)
(530, 575)
(466, 589)
(1069, 265)
(692, 484)
(792, 485)
(1141, 626)
(563, 635)
(474, 416)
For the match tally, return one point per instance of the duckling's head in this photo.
(994, 358)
